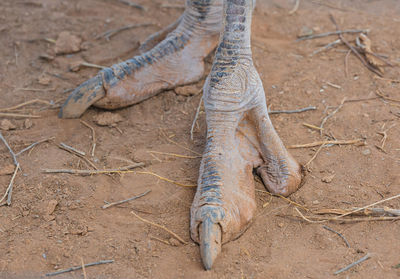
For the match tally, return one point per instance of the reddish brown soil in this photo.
(276, 245)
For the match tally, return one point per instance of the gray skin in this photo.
(240, 135)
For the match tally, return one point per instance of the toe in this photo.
(82, 98)
(210, 242)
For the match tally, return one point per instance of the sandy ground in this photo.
(55, 221)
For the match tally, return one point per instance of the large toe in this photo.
(82, 98)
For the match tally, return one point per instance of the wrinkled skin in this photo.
(240, 135)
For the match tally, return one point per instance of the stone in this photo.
(67, 43)
(7, 125)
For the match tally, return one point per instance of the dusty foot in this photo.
(176, 60)
(240, 138)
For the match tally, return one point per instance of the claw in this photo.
(210, 242)
(83, 97)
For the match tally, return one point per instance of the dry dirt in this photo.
(55, 220)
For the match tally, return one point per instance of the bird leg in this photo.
(240, 139)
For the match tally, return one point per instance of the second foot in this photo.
(176, 60)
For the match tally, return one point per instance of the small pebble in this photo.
(366, 152)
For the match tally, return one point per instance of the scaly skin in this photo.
(240, 138)
(175, 61)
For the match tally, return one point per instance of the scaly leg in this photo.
(240, 138)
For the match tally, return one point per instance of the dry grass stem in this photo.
(161, 227)
(331, 114)
(354, 50)
(71, 149)
(326, 47)
(308, 220)
(93, 137)
(296, 6)
(284, 198)
(307, 165)
(339, 234)
(78, 267)
(83, 269)
(25, 104)
(17, 115)
(366, 257)
(126, 169)
(312, 126)
(291, 111)
(367, 206)
(380, 94)
(195, 117)
(161, 240)
(329, 142)
(180, 145)
(33, 145)
(165, 179)
(175, 155)
(8, 192)
(14, 157)
(124, 201)
(388, 79)
(315, 36)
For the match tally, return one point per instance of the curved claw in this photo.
(210, 242)
(82, 98)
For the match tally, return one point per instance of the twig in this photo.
(78, 153)
(328, 142)
(25, 104)
(131, 4)
(308, 220)
(195, 117)
(363, 61)
(161, 227)
(8, 192)
(339, 234)
(296, 6)
(93, 137)
(388, 79)
(90, 172)
(71, 149)
(333, 85)
(36, 89)
(292, 111)
(33, 145)
(78, 267)
(366, 257)
(175, 155)
(284, 198)
(326, 47)
(385, 210)
(10, 187)
(331, 114)
(346, 69)
(180, 145)
(165, 179)
(161, 240)
(14, 157)
(367, 206)
(338, 32)
(17, 115)
(83, 269)
(123, 201)
(312, 126)
(87, 64)
(307, 165)
(108, 34)
(380, 94)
